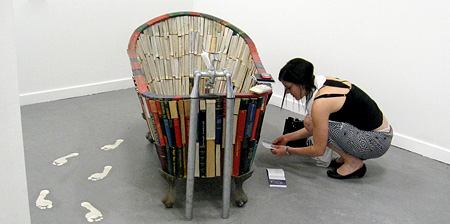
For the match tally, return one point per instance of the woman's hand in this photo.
(282, 140)
(279, 150)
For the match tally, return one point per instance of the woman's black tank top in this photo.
(358, 110)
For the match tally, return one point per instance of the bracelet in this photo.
(287, 151)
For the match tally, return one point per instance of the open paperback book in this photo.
(276, 177)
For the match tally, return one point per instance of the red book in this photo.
(257, 113)
(161, 122)
(187, 114)
(239, 136)
(162, 157)
(176, 122)
(154, 111)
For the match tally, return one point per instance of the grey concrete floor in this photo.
(400, 187)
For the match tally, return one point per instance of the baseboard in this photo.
(400, 140)
(74, 91)
(422, 148)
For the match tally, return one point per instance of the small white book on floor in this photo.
(276, 177)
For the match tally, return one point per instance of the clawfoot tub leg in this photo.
(169, 198)
(241, 198)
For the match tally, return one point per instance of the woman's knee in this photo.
(307, 122)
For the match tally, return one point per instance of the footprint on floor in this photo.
(99, 176)
(94, 215)
(109, 147)
(43, 203)
(61, 161)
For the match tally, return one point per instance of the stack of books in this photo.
(169, 126)
(169, 51)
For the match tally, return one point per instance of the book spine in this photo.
(163, 158)
(156, 119)
(259, 124)
(173, 105)
(253, 141)
(181, 111)
(210, 138)
(161, 127)
(187, 112)
(180, 105)
(247, 135)
(224, 121)
(173, 147)
(239, 136)
(261, 117)
(146, 115)
(154, 133)
(202, 137)
(167, 137)
(219, 131)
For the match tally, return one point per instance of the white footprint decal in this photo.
(94, 214)
(63, 160)
(43, 203)
(109, 147)
(99, 176)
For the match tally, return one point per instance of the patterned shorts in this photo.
(358, 143)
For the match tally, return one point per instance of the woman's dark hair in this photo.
(299, 72)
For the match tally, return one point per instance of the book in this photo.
(219, 134)
(179, 163)
(159, 107)
(202, 137)
(247, 147)
(251, 112)
(157, 120)
(258, 124)
(161, 151)
(210, 138)
(237, 103)
(181, 111)
(232, 47)
(239, 136)
(276, 177)
(261, 116)
(253, 145)
(168, 136)
(147, 116)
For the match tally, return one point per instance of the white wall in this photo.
(73, 48)
(13, 185)
(397, 51)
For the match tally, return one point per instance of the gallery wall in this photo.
(397, 51)
(13, 187)
(73, 48)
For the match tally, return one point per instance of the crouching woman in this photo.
(340, 116)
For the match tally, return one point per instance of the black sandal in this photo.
(357, 174)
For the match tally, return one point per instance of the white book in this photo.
(276, 177)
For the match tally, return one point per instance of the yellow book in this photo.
(210, 138)
(237, 103)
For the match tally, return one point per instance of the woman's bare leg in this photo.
(351, 163)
